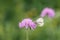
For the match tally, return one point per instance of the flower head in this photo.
(48, 11)
(27, 23)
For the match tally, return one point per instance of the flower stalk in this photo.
(27, 34)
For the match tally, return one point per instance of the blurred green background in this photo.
(13, 11)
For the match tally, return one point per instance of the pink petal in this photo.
(44, 12)
(51, 13)
(20, 25)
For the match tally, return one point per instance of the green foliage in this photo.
(13, 11)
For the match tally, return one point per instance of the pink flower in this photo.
(27, 23)
(48, 11)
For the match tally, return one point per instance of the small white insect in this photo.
(40, 22)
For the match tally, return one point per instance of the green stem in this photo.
(27, 34)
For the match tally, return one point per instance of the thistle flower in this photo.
(40, 22)
(48, 11)
(27, 23)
